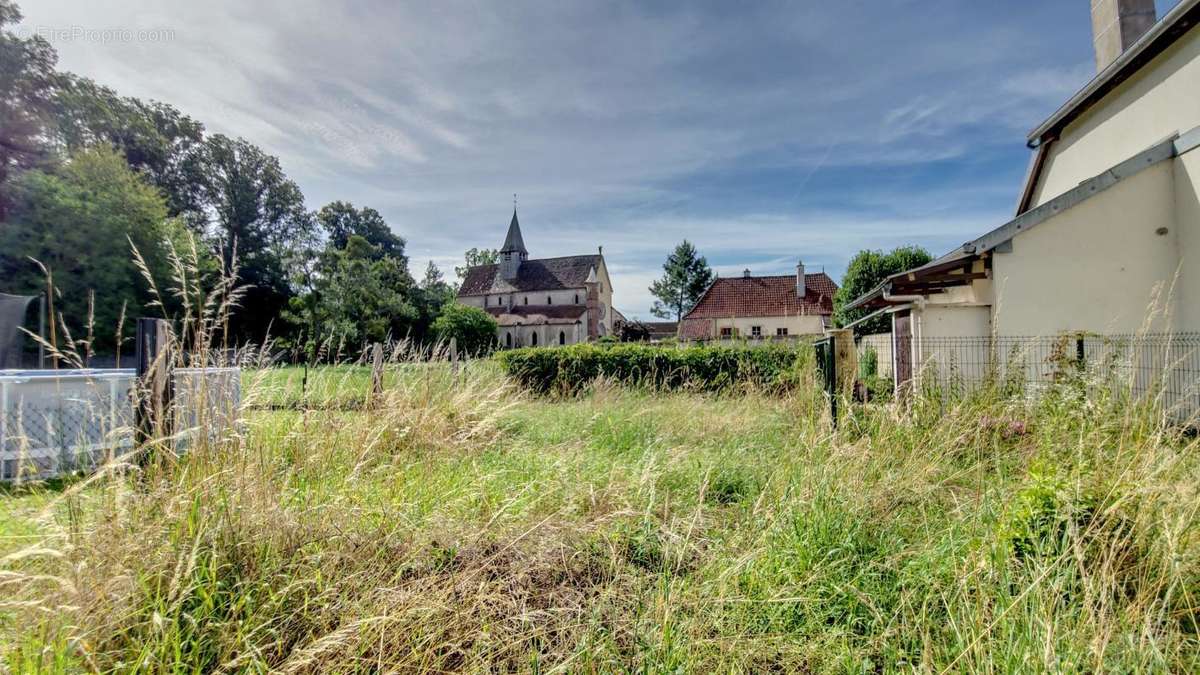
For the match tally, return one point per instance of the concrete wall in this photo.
(948, 321)
(1187, 232)
(1160, 100)
(1093, 267)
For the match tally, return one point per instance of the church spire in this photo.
(514, 242)
(513, 253)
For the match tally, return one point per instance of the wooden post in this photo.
(376, 371)
(154, 366)
(454, 356)
(845, 359)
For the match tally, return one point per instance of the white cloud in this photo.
(609, 118)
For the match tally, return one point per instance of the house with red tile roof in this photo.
(762, 307)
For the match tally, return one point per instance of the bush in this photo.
(569, 369)
(473, 328)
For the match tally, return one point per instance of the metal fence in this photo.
(55, 422)
(1165, 367)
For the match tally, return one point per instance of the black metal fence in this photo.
(1163, 366)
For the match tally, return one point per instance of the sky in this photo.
(763, 132)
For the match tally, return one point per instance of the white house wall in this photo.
(810, 324)
(1187, 231)
(1093, 267)
(1161, 99)
(949, 321)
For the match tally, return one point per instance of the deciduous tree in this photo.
(866, 271)
(26, 85)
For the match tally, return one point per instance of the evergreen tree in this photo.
(686, 277)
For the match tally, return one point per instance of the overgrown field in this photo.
(459, 524)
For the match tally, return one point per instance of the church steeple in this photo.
(514, 242)
(513, 253)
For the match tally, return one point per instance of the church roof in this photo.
(514, 241)
(545, 274)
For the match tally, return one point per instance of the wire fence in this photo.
(55, 422)
(1164, 368)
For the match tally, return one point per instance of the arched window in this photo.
(527, 299)
(577, 298)
(533, 339)
(562, 338)
(508, 340)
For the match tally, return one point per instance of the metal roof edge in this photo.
(1089, 188)
(1171, 147)
(1155, 41)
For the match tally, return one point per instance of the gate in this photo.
(827, 364)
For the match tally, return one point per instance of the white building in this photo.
(1108, 220)
(546, 301)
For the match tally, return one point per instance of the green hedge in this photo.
(708, 368)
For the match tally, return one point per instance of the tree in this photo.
(26, 84)
(360, 296)
(429, 297)
(867, 270)
(473, 329)
(476, 257)
(340, 220)
(79, 222)
(686, 277)
(154, 137)
(259, 214)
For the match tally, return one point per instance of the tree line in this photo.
(88, 175)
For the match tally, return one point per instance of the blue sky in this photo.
(763, 132)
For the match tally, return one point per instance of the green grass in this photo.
(461, 525)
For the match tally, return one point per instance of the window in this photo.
(562, 338)
(533, 339)
(577, 298)
(756, 331)
(508, 340)
(781, 332)
(527, 299)
(549, 300)
(726, 332)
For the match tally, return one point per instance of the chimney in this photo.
(801, 288)
(746, 273)
(1116, 25)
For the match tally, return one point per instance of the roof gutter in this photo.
(918, 300)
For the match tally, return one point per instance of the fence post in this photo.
(376, 371)
(846, 360)
(154, 365)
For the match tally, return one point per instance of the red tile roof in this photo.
(758, 296)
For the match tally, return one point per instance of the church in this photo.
(543, 301)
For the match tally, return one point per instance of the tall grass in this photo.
(455, 524)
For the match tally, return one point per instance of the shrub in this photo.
(473, 328)
(709, 368)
